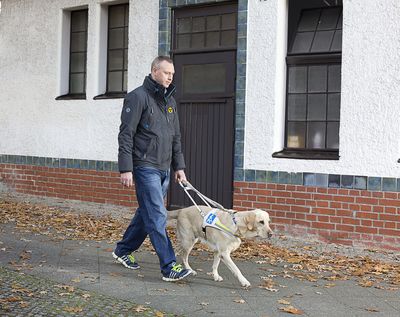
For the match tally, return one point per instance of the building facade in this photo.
(286, 105)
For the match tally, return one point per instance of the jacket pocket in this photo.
(143, 146)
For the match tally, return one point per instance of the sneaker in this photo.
(127, 260)
(177, 273)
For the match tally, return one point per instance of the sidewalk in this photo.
(53, 264)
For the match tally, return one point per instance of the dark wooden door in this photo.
(205, 68)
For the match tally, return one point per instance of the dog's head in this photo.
(256, 224)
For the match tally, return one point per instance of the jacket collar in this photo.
(156, 89)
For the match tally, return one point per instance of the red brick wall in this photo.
(345, 216)
(67, 183)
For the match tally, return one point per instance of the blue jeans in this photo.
(150, 218)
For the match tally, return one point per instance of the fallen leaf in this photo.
(372, 310)
(283, 302)
(291, 310)
(365, 283)
(240, 301)
(140, 308)
(13, 299)
(76, 309)
(329, 285)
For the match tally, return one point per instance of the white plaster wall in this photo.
(370, 100)
(32, 122)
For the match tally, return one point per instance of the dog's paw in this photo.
(194, 273)
(218, 278)
(245, 283)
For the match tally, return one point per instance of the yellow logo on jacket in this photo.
(170, 110)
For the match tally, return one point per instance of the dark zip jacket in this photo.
(149, 134)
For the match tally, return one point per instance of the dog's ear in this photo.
(250, 220)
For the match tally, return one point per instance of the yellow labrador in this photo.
(249, 224)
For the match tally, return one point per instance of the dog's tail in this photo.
(173, 214)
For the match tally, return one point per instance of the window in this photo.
(205, 31)
(78, 53)
(117, 50)
(74, 54)
(313, 80)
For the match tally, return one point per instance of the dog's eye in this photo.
(262, 222)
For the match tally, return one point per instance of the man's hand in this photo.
(127, 179)
(180, 176)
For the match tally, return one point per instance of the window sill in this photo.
(71, 97)
(110, 95)
(307, 154)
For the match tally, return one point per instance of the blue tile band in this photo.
(357, 182)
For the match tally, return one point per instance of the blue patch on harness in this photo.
(210, 218)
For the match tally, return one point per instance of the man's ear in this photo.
(250, 220)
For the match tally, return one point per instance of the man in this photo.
(149, 141)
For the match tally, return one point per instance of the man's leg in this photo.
(151, 186)
(133, 237)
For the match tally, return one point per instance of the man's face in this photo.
(164, 74)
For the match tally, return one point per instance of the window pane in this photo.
(316, 135)
(124, 88)
(295, 134)
(297, 79)
(78, 42)
(126, 37)
(126, 15)
(116, 16)
(204, 78)
(337, 41)
(212, 39)
(116, 38)
(228, 38)
(197, 40)
(184, 41)
(329, 18)
(115, 60)
(199, 24)
(333, 106)
(77, 62)
(297, 107)
(183, 25)
(77, 84)
(228, 21)
(78, 21)
(333, 135)
(302, 42)
(125, 59)
(334, 80)
(317, 78)
(114, 81)
(316, 107)
(322, 41)
(308, 20)
(340, 22)
(213, 22)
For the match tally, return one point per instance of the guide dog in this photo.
(246, 224)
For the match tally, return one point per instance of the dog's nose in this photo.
(269, 235)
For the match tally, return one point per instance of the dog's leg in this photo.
(217, 260)
(226, 258)
(187, 248)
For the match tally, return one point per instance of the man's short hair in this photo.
(158, 60)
